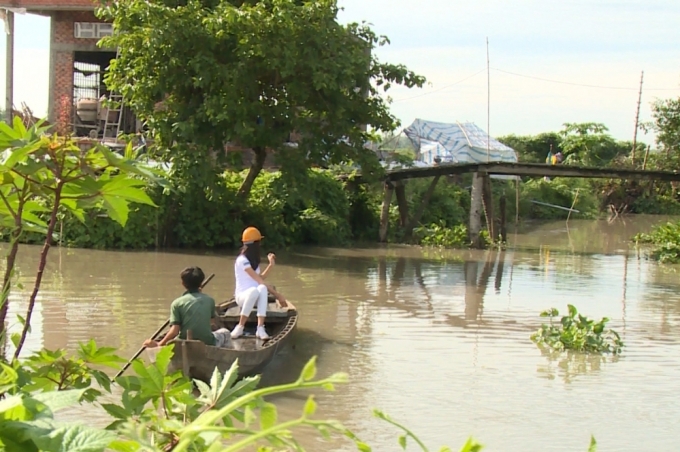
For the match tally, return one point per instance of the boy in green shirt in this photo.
(193, 311)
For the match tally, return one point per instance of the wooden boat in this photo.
(198, 360)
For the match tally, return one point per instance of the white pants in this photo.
(249, 297)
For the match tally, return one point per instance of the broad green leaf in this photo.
(248, 417)
(8, 133)
(471, 446)
(117, 209)
(120, 445)
(203, 388)
(8, 444)
(8, 375)
(126, 188)
(309, 371)
(10, 403)
(76, 438)
(310, 406)
(572, 310)
(163, 358)
(116, 411)
(402, 441)
(19, 154)
(74, 208)
(268, 415)
(57, 400)
(19, 126)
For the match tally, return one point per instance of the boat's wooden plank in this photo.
(274, 313)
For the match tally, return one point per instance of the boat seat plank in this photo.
(232, 313)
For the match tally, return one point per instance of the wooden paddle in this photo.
(158, 331)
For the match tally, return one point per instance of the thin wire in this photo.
(439, 89)
(582, 84)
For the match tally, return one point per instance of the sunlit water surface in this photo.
(438, 340)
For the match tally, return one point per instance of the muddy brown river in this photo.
(437, 339)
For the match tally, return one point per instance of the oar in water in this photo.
(158, 331)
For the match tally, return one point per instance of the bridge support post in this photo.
(476, 210)
(400, 191)
(385, 212)
(487, 196)
(504, 231)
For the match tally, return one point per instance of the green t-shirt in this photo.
(193, 311)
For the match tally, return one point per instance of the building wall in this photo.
(48, 4)
(63, 45)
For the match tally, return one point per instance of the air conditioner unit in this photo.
(85, 30)
(104, 29)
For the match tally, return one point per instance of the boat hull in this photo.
(197, 360)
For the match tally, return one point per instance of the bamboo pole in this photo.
(517, 200)
(488, 103)
(9, 66)
(637, 117)
(644, 164)
(572, 205)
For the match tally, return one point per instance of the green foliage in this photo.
(533, 148)
(560, 192)
(156, 410)
(577, 332)
(40, 174)
(438, 234)
(589, 144)
(310, 208)
(33, 391)
(449, 203)
(666, 114)
(213, 72)
(665, 240)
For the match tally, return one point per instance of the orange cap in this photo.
(251, 234)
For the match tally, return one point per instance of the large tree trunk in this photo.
(255, 168)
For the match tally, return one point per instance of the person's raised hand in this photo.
(272, 258)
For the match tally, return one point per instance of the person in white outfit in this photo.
(251, 290)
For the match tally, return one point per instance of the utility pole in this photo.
(637, 116)
(488, 103)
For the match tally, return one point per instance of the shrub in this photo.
(577, 332)
(665, 240)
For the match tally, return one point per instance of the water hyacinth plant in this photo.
(577, 332)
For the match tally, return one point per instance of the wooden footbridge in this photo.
(481, 197)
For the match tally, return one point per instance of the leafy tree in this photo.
(666, 114)
(533, 148)
(589, 144)
(203, 73)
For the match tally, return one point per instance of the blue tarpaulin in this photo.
(456, 143)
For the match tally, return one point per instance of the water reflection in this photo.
(570, 365)
(437, 339)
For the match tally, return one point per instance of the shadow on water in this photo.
(289, 362)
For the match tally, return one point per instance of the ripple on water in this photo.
(442, 345)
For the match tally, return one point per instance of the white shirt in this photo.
(243, 279)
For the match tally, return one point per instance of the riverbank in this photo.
(315, 208)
